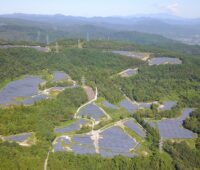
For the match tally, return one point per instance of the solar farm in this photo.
(111, 141)
(114, 141)
(92, 111)
(18, 138)
(172, 128)
(164, 60)
(25, 91)
(72, 127)
(135, 127)
(129, 106)
(168, 105)
(23, 139)
(59, 76)
(133, 106)
(109, 105)
(121, 137)
(23, 88)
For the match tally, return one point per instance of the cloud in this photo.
(172, 8)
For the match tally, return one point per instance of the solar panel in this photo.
(25, 87)
(135, 127)
(172, 128)
(59, 76)
(72, 127)
(109, 105)
(34, 99)
(19, 138)
(168, 105)
(129, 106)
(114, 142)
(91, 110)
(164, 60)
(59, 144)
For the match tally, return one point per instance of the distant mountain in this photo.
(169, 26)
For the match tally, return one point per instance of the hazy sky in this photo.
(184, 8)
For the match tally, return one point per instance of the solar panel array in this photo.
(168, 105)
(153, 124)
(135, 127)
(109, 105)
(164, 60)
(172, 128)
(129, 106)
(18, 138)
(91, 110)
(59, 76)
(83, 145)
(186, 113)
(72, 127)
(59, 144)
(114, 142)
(80, 144)
(83, 149)
(34, 99)
(133, 107)
(25, 87)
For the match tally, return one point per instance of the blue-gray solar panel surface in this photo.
(18, 138)
(91, 110)
(25, 87)
(168, 105)
(109, 105)
(83, 144)
(135, 127)
(172, 128)
(129, 106)
(72, 127)
(114, 142)
(59, 76)
(164, 60)
(59, 144)
(34, 99)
